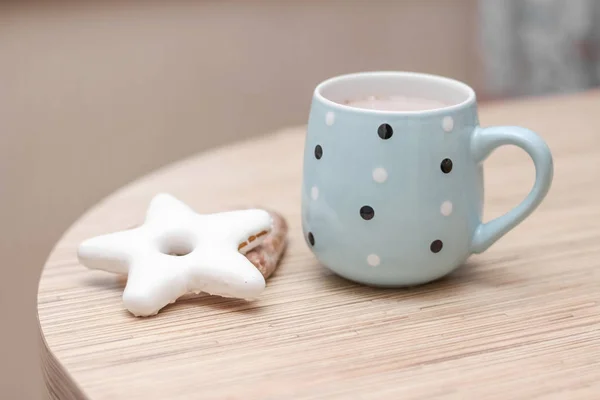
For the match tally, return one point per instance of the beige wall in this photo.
(91, 98)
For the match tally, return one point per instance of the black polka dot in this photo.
(318, 152)
(446, 165)
(436, 246)
(311, 239)
(385, 131)
(367, 212)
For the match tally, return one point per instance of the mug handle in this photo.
(486, 140)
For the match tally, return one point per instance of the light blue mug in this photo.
(395, 198)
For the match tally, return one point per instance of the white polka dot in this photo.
(380, 175)
(314, 192)
(373, 260)
(329, 118)
(448, 124)
(446, 208)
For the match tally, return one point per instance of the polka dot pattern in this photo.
(314, 193)
(330, 118)
(380, 175)
(436, 246)
(318, 152)
(373, 260)
(448, 124)
(446, 165)
(446, 208)
(367, 213)
(385, 131)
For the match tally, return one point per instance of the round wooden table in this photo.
(520, 321)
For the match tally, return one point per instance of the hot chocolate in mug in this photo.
(393, 196)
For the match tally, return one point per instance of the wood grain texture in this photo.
(521, 321)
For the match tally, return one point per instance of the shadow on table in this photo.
(116, 284)
(216, 303)
(106, 281)
(489, 275)
(474, 273)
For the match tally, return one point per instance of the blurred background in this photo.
(96, 94)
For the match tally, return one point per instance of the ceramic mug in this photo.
(395, 198)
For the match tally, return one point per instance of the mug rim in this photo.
(438, 79)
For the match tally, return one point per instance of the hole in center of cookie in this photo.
(176, 245)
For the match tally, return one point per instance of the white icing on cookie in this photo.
(210, 254)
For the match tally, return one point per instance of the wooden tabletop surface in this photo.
(520, 321)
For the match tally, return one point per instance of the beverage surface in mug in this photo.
(392, 191)
(396, 103)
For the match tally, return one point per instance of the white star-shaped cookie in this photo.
(177, 251)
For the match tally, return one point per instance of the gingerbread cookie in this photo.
(177, 251)
(266, 256)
